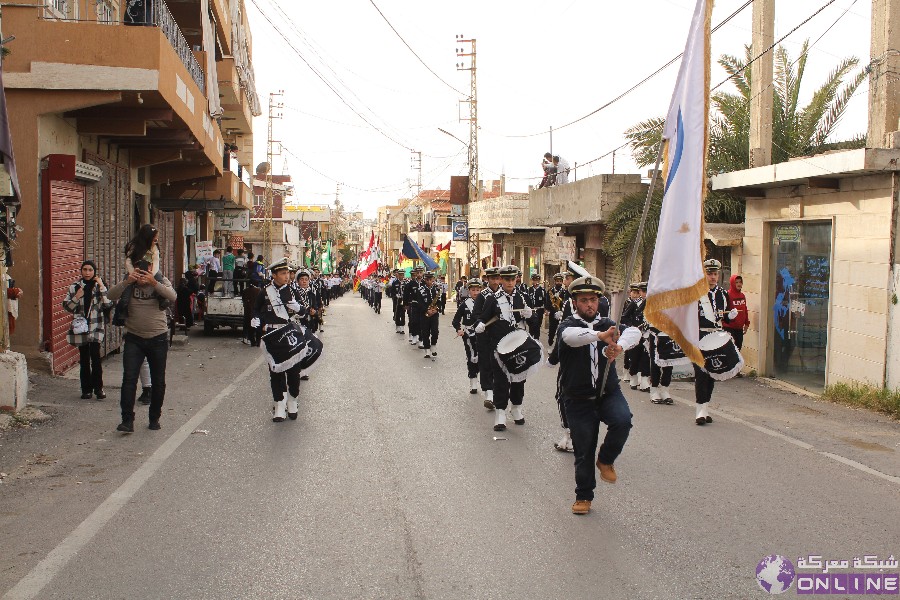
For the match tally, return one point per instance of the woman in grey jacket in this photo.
(87, 301)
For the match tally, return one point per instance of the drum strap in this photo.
(709, 311)
(277, 304)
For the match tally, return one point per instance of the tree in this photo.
(796, 132)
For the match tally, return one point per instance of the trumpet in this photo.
(556, 302)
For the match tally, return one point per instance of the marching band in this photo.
(499, 321)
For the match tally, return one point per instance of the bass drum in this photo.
(722, 359)
(518, 354)
(668, 352)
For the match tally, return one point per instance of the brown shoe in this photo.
(607, 472)
(581, 507)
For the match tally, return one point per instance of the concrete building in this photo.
(820, 248)
(115, 113)
(579, 210)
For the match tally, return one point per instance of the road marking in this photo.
(34, 582)
(792, 440)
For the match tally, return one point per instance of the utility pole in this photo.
(474, 187)
(416, 163)
(761, 89)
(274, 113)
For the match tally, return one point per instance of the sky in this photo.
(539, 65)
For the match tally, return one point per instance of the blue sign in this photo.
(460, 231)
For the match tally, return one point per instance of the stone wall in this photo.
(506, 212)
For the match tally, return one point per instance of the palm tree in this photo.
(796, 132)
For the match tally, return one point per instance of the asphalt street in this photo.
(392, 484)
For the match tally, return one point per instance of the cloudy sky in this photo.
(357, 101)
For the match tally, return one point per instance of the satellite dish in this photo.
(263, 168)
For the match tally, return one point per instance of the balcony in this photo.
(583, 202)
(238, 116)
(134, 81)
(214, 193)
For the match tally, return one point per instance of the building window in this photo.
(106, 13)
(60, 9)
(258, 200)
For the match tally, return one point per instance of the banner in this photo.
(203, 250)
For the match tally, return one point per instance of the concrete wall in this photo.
(585, 201)
(860, 272)
(506, 212)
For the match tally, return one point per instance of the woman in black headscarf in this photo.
(87, 302)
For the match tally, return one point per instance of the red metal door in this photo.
(63, 252)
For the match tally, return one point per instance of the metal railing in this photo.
(155, 13)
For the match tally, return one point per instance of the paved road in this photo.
(391, 485)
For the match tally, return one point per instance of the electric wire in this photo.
(321, 77)
(635, 86)
(430, 70)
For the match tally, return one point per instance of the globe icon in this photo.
(775, 574)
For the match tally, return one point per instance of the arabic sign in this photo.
(787, 233)
(204, 250)
(232, 220)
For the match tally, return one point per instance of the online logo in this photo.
(775, 574)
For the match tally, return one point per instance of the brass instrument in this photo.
(433, 305)
(556, 302)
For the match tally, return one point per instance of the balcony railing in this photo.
(155, 13)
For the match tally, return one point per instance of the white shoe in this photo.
(292, 408)
(665, 395)
(427, 351)
(655, 396)
(645, 384)
(565, 443)
(635, 381)
(434, 349)
(489, 399)
(279, 412)
(473, 386)
(500, 420)
(517, 415)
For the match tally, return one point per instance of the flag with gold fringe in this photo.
(677, 280)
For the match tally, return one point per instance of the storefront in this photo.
(799, 292)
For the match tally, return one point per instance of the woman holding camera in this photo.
(87, 301)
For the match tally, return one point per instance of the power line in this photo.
(324, 80)
(635, 86)
(430, 70)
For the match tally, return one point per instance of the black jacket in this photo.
(264, 311)
(575, 375)
(492, 308)
(465, 315)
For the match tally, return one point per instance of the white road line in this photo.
(34, 582)
(792, 440)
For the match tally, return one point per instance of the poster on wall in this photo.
(204, 250)
(232, 220)
(190, 223)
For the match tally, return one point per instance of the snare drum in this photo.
(668, 352)
(722, 359)
(291, 345)
(518, 354)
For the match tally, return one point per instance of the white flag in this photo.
(677, 280)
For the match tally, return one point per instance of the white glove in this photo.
(732, 314)
(527, 312)
(254, 322)
(479, 328)
(629, 338)
(558, 315)
(294, 306)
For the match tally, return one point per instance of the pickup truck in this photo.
(222, 309)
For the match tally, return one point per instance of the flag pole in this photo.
(632, 259)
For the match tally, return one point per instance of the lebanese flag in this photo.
(370, 263)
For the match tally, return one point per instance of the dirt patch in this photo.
(866, 445)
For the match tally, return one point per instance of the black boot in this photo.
(144, 398)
